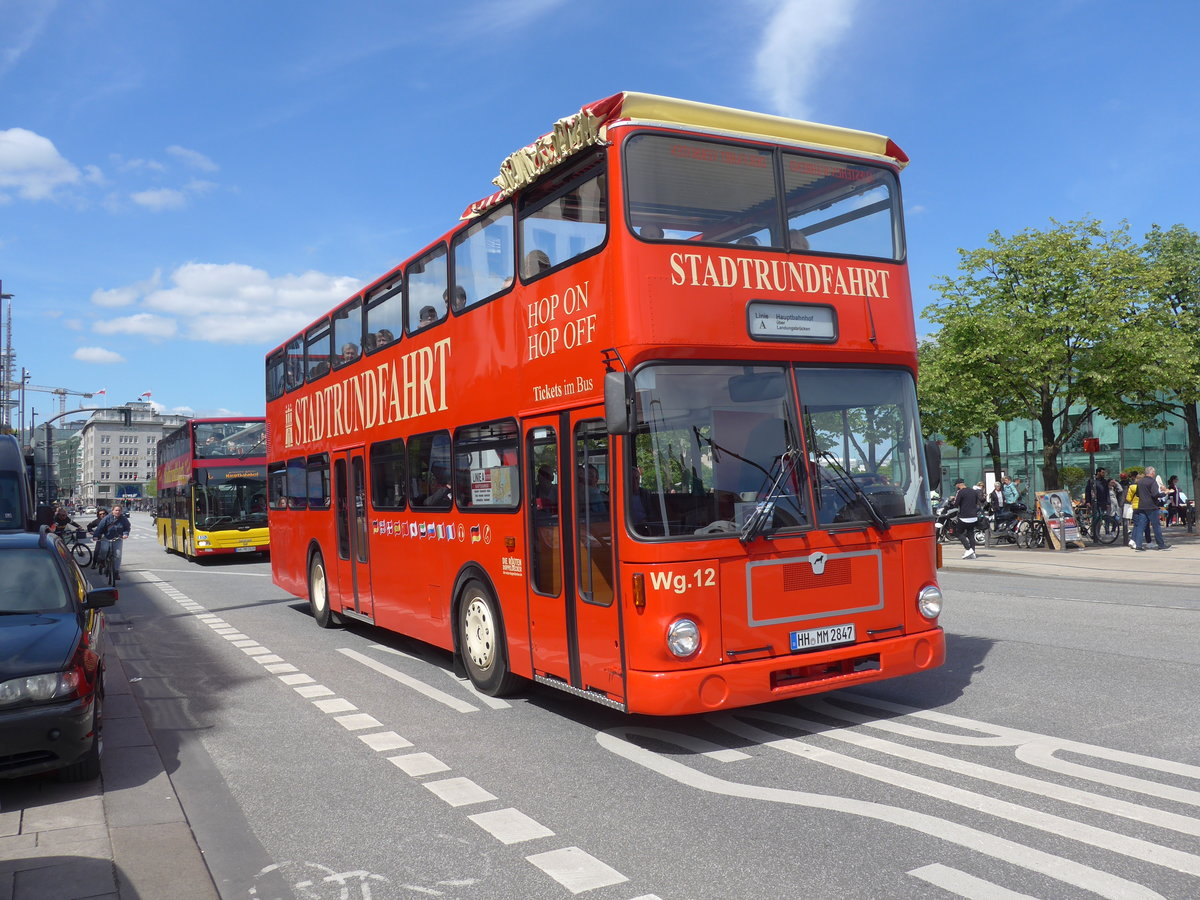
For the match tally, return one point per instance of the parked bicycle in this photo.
(1108, 528)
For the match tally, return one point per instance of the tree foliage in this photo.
(1040, 325)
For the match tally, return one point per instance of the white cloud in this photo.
(32, 165)
(73, 324)
(97, 355)
(130, 293)
(193, 158)
(234, 303)
(159, 199)
(144, 324)
(795, 41)
(21, 36)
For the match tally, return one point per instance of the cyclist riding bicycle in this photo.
(63, 524)
(112, 530)
(101, 546)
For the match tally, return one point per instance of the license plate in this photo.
(822, 637)
(243, 550)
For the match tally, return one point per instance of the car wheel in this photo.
(318, 594)
(88, 768)
(482, 642)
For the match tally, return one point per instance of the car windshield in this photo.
(30, 582)
(715, 443)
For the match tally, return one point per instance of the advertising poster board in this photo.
(1054, 508)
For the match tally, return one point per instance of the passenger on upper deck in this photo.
(383, 337)
(428, 316)
(798, 239)
(349, 352)
(536, 261)
(652, 232)
(458, 300)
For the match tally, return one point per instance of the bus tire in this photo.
(318, 593)
(482, 643)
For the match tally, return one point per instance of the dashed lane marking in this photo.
(571, 867)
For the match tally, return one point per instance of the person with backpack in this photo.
(1148, 497)
(113, 529)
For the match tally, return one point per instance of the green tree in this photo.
(1041, 324)
(1174, 318)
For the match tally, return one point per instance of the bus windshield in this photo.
(682, 189)
(713, 442)
(231, 499)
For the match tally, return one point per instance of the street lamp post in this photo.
(1028, 471)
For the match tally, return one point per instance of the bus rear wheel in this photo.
(318, 594)
(482, 642)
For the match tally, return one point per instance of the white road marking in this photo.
(616, 740)
(234, 635)
(334, 706)
(1038, 786)
(255, 650)
(248, 642)
(280, 668)
(309, 691)
(955, 882)
(417, 685)
(416, 764)
(1002, 809)
(358, 722)
(298, 678)
(459, 791)
(465, 683)
(576, 870)
(385, 740)
(269, 658)
(209, 572)
(510, 826)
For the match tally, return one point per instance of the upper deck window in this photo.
(347, 332)
(563, 219)
(693, 190)
(841, 207)
(316, 350)
(483, 260)
(428, 297)
(385, 316)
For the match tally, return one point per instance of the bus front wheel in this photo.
(481, 640)
(318, 594)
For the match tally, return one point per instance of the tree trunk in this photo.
(992, 438)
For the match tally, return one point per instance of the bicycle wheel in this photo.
(82, 554)
(1109, 530)
(1037, 535)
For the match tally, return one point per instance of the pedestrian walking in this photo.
(966, 501)
(1145, 514)
(1097, 495)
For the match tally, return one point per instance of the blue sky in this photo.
(184, 185)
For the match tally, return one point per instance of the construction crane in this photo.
(14, 388)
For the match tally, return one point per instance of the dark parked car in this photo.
(51, 661)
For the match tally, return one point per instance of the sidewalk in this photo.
(1179, 566)
(123, 837)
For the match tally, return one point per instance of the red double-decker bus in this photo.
(643, 427)
(212, 488)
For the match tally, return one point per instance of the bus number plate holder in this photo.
(822, 637)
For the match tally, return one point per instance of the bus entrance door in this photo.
(552, 635)
(596, 614)
(353, 549)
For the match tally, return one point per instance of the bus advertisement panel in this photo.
(642, 428)
(212, 488)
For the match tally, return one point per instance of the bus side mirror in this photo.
(618, 403)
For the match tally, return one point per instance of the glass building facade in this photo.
(1120, 447)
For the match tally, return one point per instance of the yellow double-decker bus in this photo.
(212, 488)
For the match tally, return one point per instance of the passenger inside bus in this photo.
(652, 232)
(383, 337)
(457, 302)
(349, 352)
(798, 239)
(536, 262)
(428, 316)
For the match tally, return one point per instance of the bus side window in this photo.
(316, 350)
(429, 465)
(564, 218)
(385, 316)
(297, 483)
(428, 282)
(318, 481)
(347, 332)
(276, 486)
(486, 472)
(387, 475)
(483, 259)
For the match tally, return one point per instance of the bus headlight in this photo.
(929, 601)
(683, 637)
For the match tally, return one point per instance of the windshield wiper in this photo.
(856, 490)
(764, 512)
